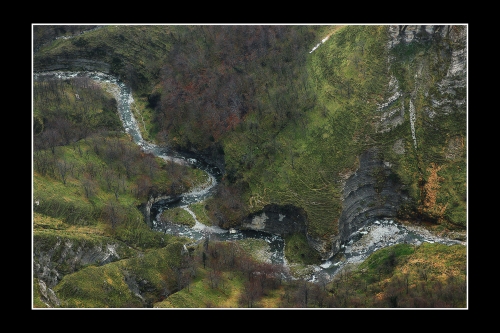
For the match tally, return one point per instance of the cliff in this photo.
(420, 134)
(54, 257)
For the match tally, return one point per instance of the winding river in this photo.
(374, 236)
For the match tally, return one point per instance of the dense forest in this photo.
(288, 126)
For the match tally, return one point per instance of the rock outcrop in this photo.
(278, 220)
(372, 192)
(66, 256)
(51, 262)
(63, 63)
(410, 33)
(146, 208)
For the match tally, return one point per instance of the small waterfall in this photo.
(412, 123)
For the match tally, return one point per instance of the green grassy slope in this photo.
(87, 193)
(309, 157)
(303, 164)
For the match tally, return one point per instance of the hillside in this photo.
(370, 123)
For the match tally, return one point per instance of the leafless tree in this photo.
(151, 164)
(251, 293)
(43, 162)
(89, 186)
(112, 213)
(63, 168)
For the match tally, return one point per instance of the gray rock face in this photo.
(47, 295)
(67, 256)
(326, 248)
(146, 208)
(276, 219)
(372, 192)
(410, 33)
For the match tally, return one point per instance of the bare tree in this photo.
(128, 158)
(151, 164)
(43, 162)
(112, 213)
(52, 138)
(89, 186)
(215, 277)
(251, 293)
(110, 177)
(65, 129)
(63, 168)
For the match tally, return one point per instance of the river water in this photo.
(374, 236)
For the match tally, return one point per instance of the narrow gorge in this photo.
(395, 191)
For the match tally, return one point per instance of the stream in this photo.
(374, 236)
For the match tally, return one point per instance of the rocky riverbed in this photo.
(377, 235)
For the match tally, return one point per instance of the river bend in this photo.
(363, 242)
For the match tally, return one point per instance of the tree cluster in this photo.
(222, 257)
(66, 111)
(215, 75)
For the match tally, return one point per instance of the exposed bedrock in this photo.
(146, 208)
(67, 256)
(372, 192)
(278, 220)
(72, 64)
(410, 33)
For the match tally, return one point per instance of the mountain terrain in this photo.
(318, 131)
